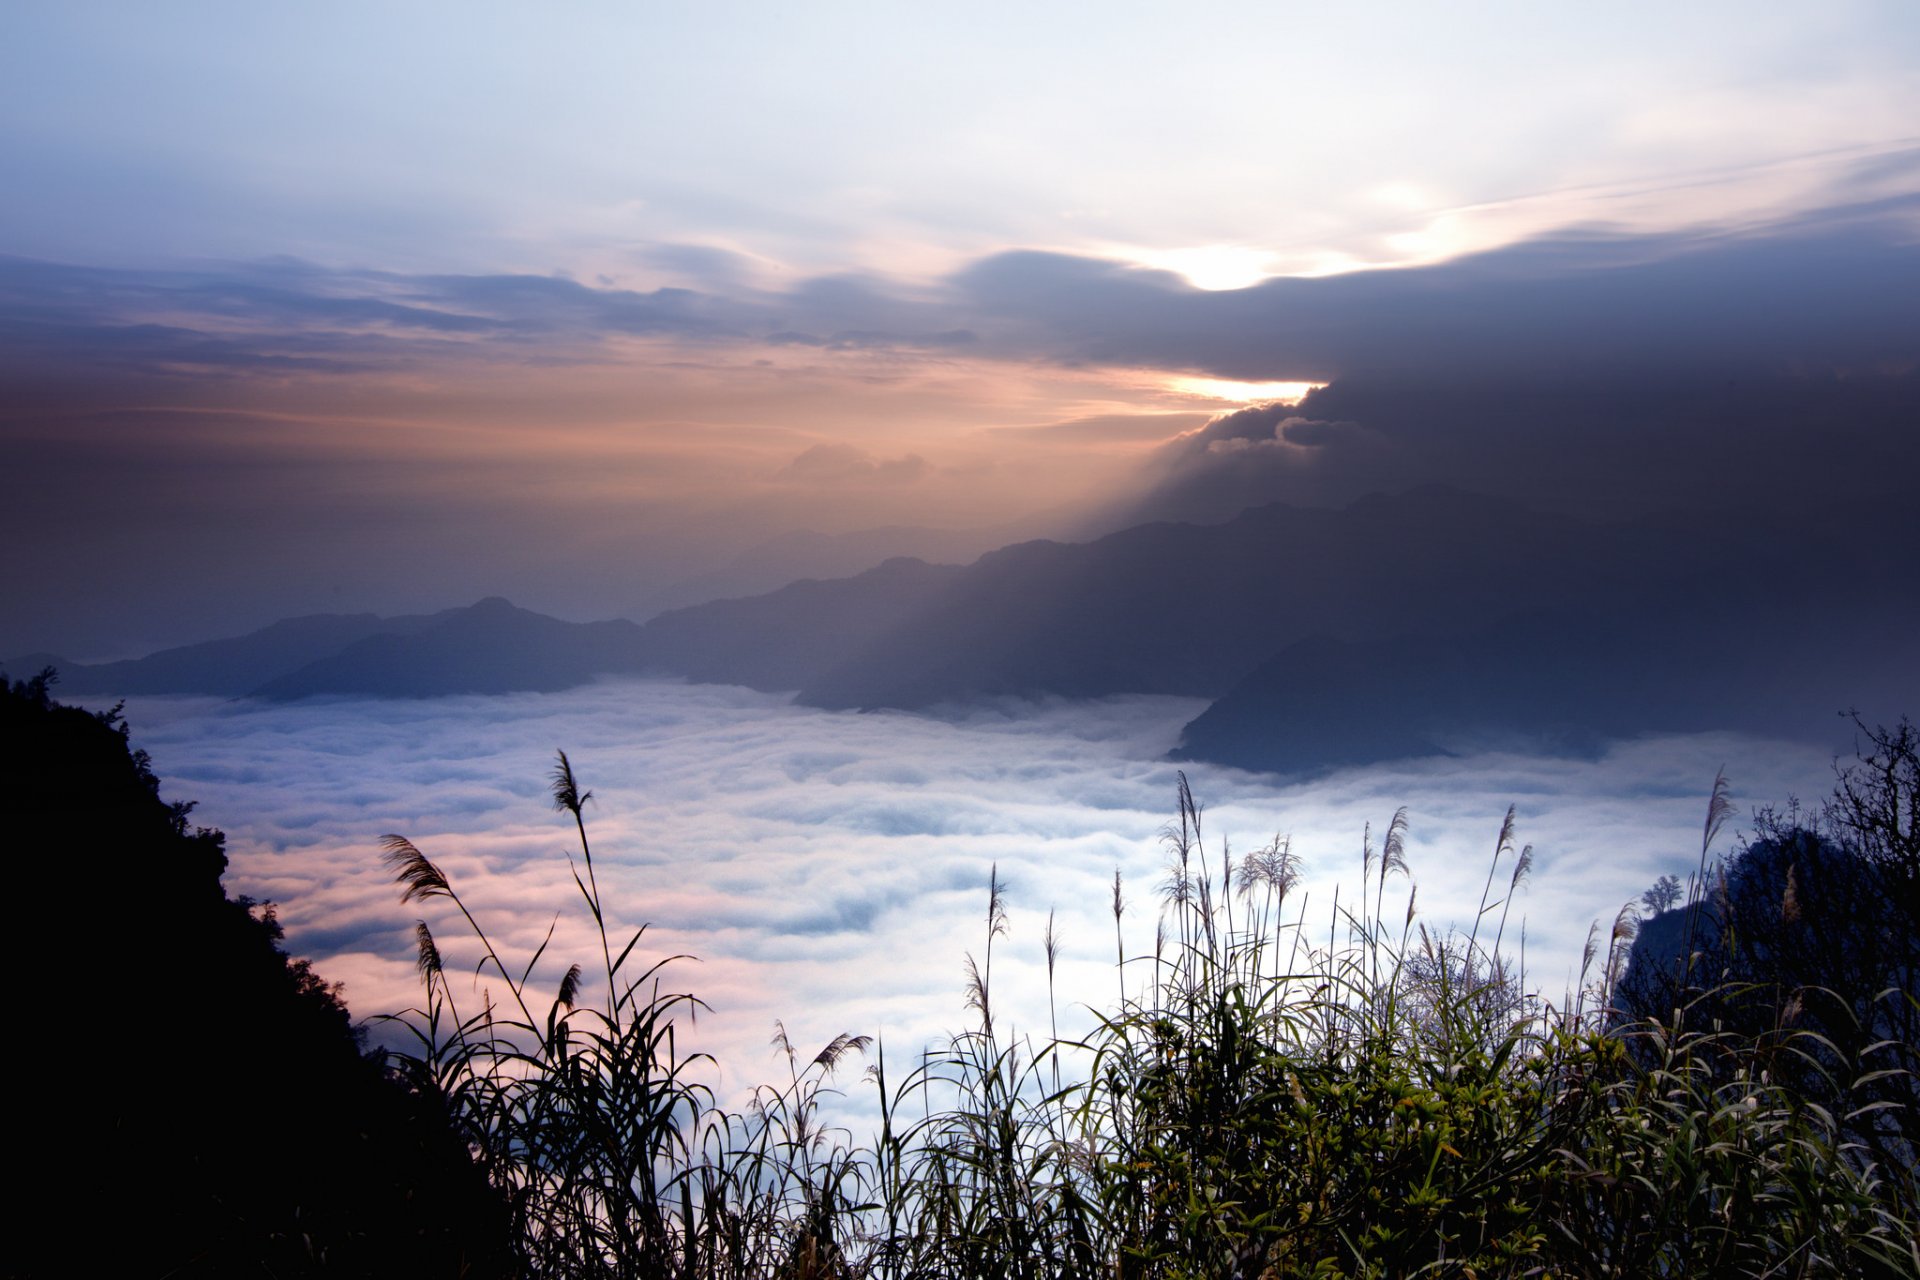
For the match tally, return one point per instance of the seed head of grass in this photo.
(419, 878)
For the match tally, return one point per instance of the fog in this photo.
(830, 870)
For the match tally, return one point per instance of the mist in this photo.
(830, 870)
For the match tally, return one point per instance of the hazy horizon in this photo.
(351, 310)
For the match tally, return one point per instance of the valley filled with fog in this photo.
(830, 869)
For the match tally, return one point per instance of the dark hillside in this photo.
(487, 647)
(786, 638)
(232, 666)
(188, 1099)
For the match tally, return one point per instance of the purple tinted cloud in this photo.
(830, 869)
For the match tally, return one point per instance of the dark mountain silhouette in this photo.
(232, 666)
(1563, 683)
(1810, 930)
(488, 647)
(1190, 609)
(1396, 625)
(771, 642)
(186, 1072)
(777, 641)
(805, 554)
(1193, 609)
(788, 637)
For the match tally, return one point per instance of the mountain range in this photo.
(1403, 624)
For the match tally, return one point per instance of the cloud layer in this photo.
(1833, 290)
(830, 870)
(582, 447)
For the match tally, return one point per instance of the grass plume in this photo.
(1367, 1101)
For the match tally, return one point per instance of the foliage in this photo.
(1368, 1101)
(185, 1078)
(1808, 936)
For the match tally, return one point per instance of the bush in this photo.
(1387, 1104)
(1808, 936)
(181, 1080)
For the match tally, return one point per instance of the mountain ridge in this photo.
(1383, 627)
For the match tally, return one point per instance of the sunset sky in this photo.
(358, 307)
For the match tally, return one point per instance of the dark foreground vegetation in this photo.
(184, 1099)
(1268, 1094)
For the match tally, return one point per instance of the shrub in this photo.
(1370, 1101)
(186, 1082)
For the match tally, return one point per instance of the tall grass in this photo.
(1273, 1094)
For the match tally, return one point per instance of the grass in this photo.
(1269, 1096)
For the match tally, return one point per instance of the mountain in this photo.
(1560, 683)
(261, 1139)
(1730, 616)
(1191, 609)
(805, 554)
(232, 666)
(1556, 682)
(1400, 624)
(488, 647)
(786, 638)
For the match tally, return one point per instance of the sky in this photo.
(830, 871)
(353, 308)
(359, 307)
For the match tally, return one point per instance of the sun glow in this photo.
(1212, 267)
(1244, 392)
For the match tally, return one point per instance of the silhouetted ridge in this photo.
(488, 647)
(197, 1099)
(1697, 619)
(803, 554)
(786, 638)
(1552, 682)
(231, 666)
(1190, 609)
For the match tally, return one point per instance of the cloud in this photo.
(1834, 290)
(1106, 428)
(701, 266)
(1596, 372)
(1260, 454)
(846, 464)
(830, 869)
(283, 316)
(1267, 426)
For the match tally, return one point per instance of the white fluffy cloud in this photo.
(830, 869)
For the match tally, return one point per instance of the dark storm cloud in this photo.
(1267, 425)
(1591, 372)
(1600, 445)
(1588, 371)
(1260, 454)
(1840, 291)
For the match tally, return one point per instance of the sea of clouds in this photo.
(830, 870)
